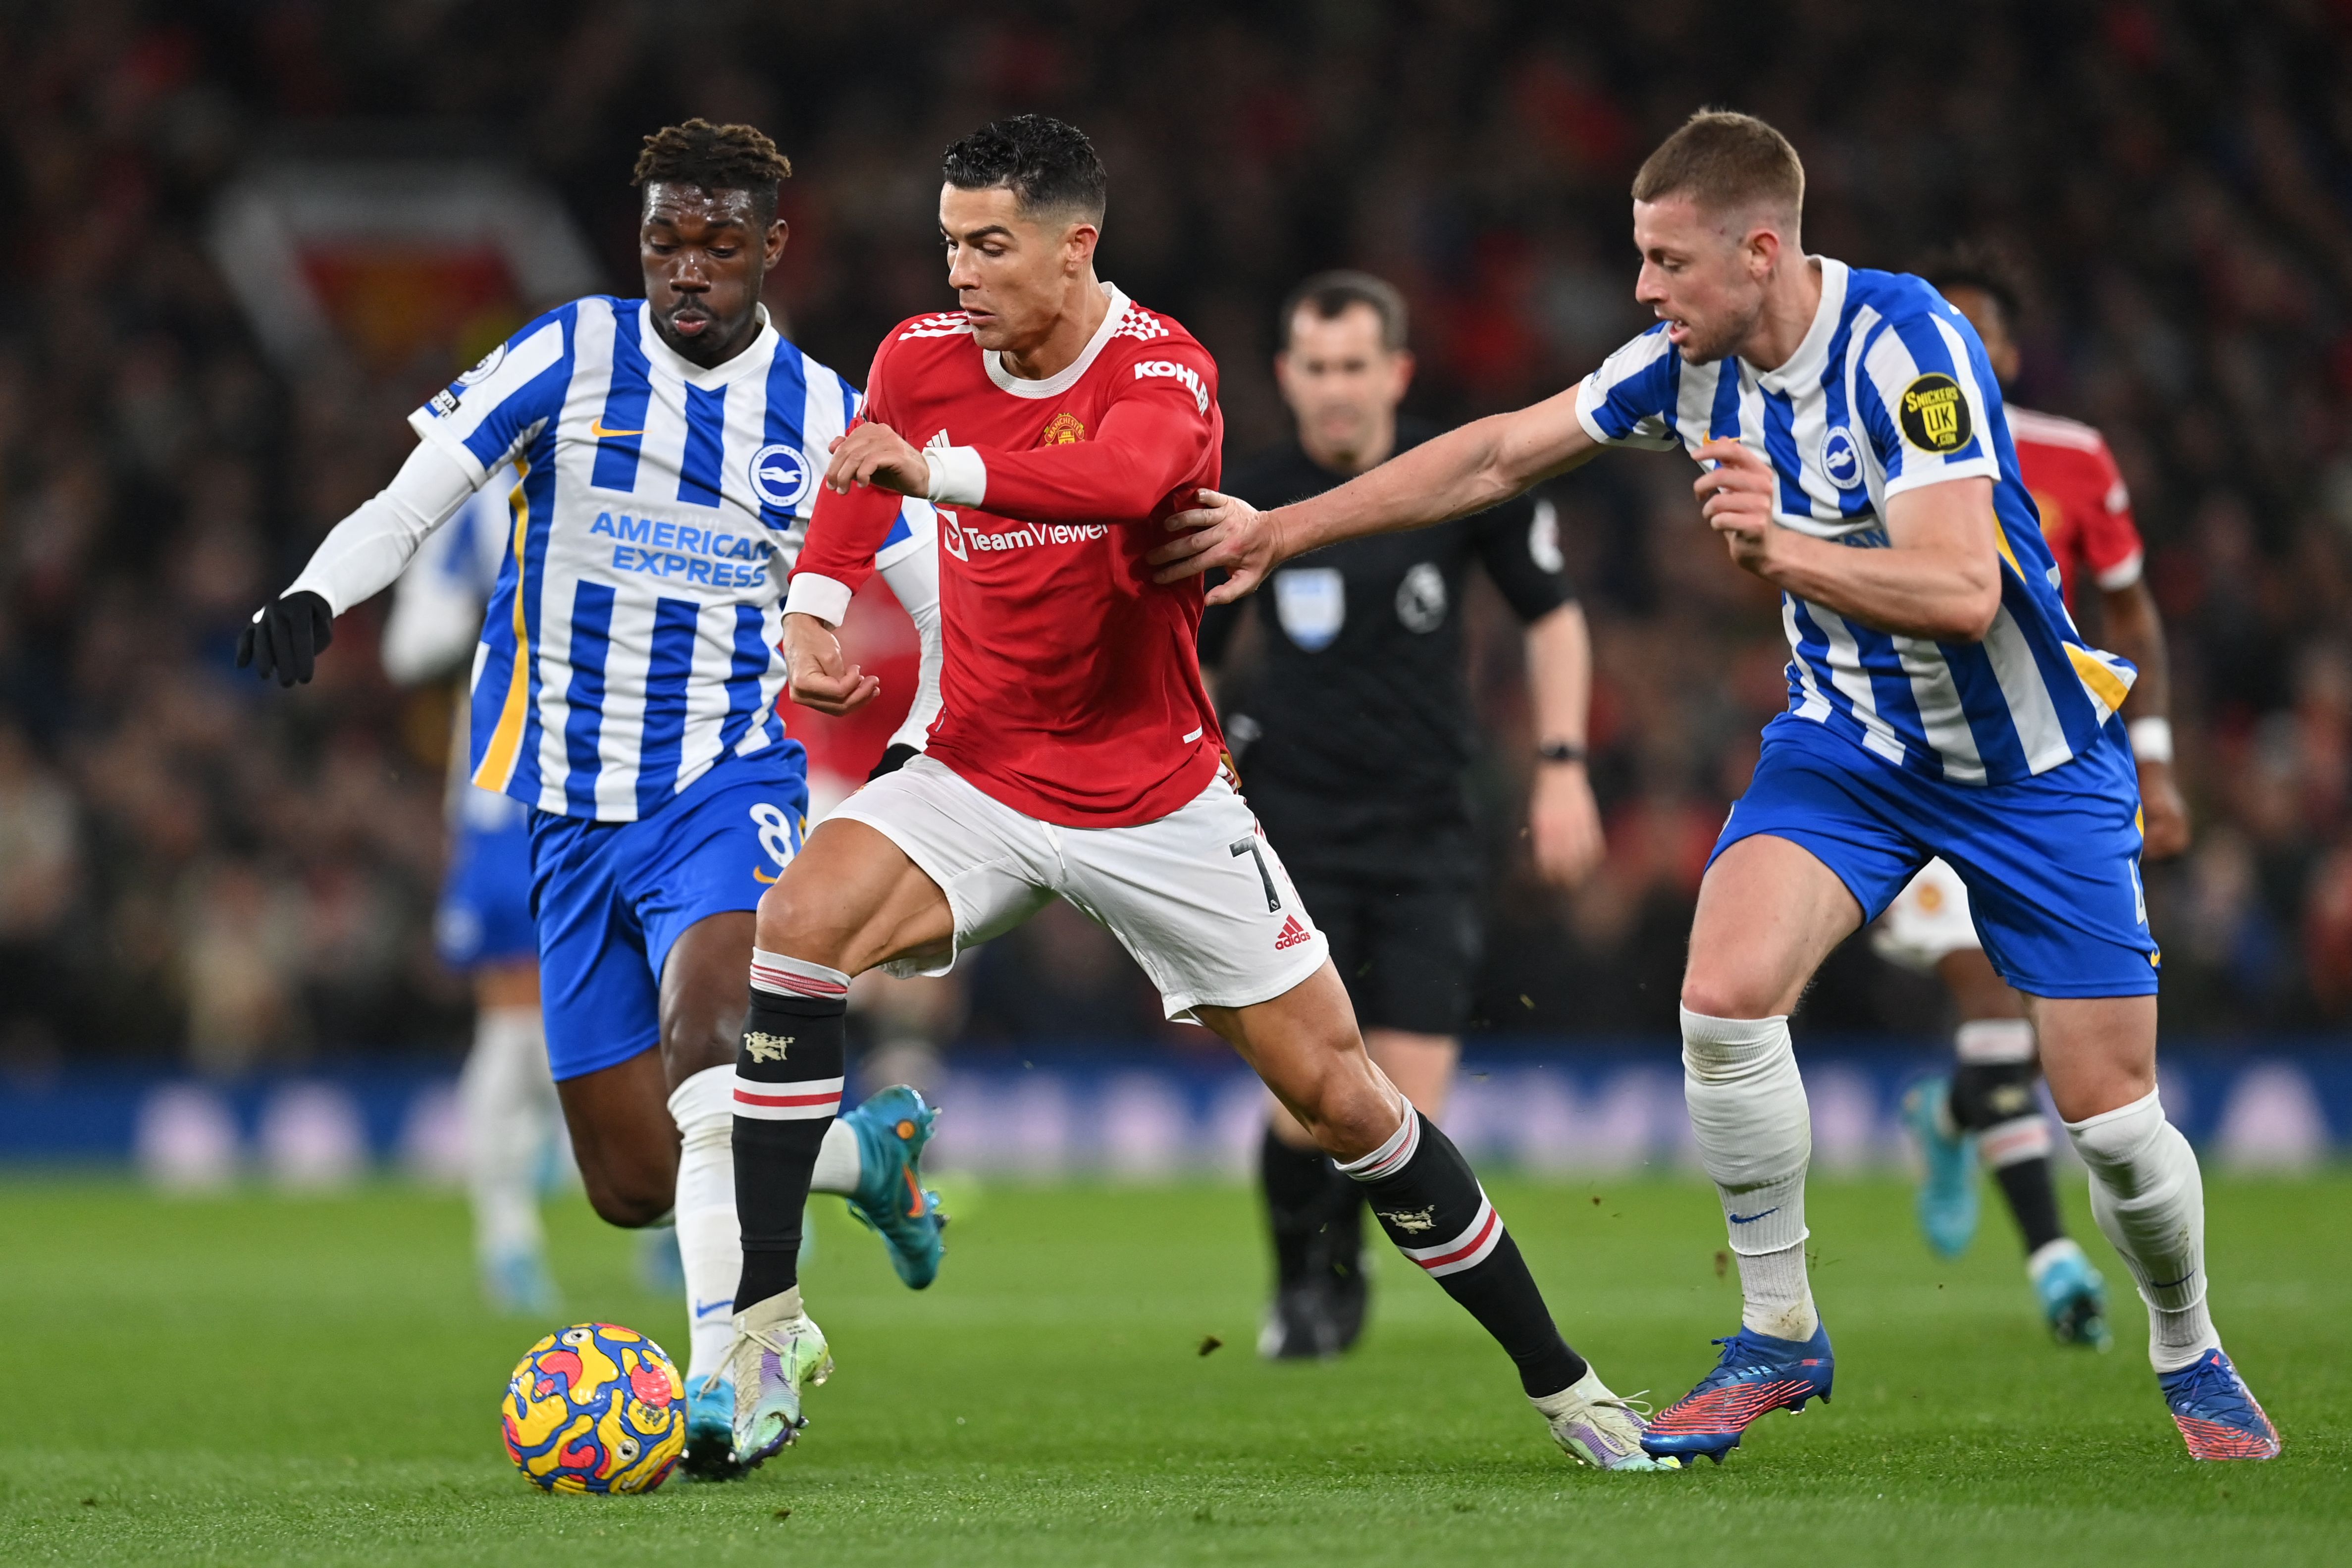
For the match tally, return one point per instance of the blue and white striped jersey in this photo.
(1890, 390)
(630, 642)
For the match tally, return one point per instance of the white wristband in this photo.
(959, 475)
(2151, 740)
(813, 593)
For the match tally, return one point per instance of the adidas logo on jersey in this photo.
(1292, 934)
(947, 325)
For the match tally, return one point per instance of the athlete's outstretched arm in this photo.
(358, 560)
(1941, 578)
(1463, 471)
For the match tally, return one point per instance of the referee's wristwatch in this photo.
(1560, 752)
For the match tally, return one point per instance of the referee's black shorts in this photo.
(1408, 951)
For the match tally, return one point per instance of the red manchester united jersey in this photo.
(1071, 688)
(2085, 509)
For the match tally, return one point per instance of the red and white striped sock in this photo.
(1429, 1201)
(787, 1090)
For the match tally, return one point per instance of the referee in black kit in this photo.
(1352, 730)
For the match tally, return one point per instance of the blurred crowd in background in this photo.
(192, 864)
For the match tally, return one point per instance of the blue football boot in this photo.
(1757, 1373)
(2073, 1296)
(1948, 1183)
(892, 1128)
(710, 1431)
(2216, 1412)
(516, 1283)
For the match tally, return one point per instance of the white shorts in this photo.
(1928, 921)
(1198, 896)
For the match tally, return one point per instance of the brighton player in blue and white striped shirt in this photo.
(1854, 452)
(624, 691)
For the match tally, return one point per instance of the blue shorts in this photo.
(614, 897)
(2052, 863)
(484, 916)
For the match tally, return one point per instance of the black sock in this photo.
(2026, 1184)
(788, 1075)
(1426, 1197)
(1995, 1101)
(1296, 1182)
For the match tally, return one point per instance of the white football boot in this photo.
(1597, 1428)
(778, 1351)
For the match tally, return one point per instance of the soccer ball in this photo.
(594, 1408)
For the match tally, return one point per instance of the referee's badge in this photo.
(1311, 603)
(1421, 598)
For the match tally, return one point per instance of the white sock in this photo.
(1755, 1138)
(839, 1164)
(2149, 1201)
(2049, 1255)
(709, 1242)
(508, 1101)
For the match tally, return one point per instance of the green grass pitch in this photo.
(257, 1379)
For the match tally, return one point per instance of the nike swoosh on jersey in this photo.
(597, 429)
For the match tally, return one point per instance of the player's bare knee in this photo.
(698, 1032)
(799, 923)
(1714, 994)
(631, 1197)
(1351, 1114)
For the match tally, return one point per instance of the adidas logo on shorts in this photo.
(1292, 933)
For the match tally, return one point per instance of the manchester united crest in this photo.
(1061, 430)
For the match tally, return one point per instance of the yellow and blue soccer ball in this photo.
(595, 1408)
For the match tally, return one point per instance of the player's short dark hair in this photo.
(715, 158)
(1725, 162)
(1979, 265)
(1332, 294)
(1049, 166)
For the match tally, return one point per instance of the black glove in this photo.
(286, 636)
(893, 759)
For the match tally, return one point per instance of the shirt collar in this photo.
(752, 359)
(1804, 366)
(1061, 380)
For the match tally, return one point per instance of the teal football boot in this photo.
(1948, 1183)
(711, 1432)
(891, 1200)
(2073, 1294)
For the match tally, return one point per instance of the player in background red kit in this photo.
(1055, 424)
(1987, 1109)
